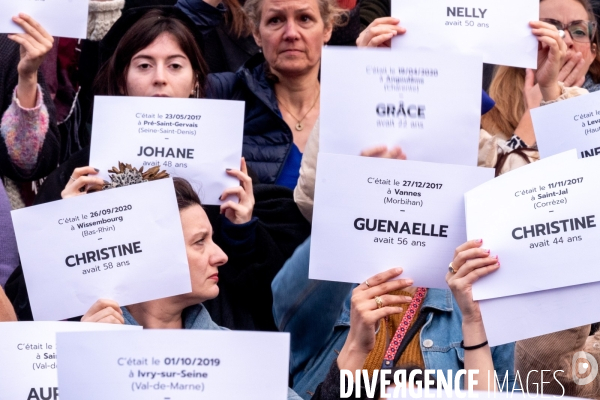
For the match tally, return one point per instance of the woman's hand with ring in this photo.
(81, 182)
(366, 311)
(471, 262)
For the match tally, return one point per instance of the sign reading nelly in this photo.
(195, 139)
(183, 364)
(122, 244)
(569, 124)
(401, 100)
(28, 370)
(548, 238)
(498, 30)
(372, 214)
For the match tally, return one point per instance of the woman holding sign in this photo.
(184, 311)
(29, 139)
(508, 126)
(383, 323)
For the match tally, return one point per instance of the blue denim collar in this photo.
(439, 299)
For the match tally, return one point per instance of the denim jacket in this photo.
(317, 316)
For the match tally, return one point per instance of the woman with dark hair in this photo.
(184, 311)
(258, 238)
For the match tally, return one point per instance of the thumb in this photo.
(529, 79)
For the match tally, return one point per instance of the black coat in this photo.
(50, 152)
(267, 137)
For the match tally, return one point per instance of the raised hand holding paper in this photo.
(569, 124)
(28, 351)
(176, 364)
(401, 100)
(373, 214)
(546, 235)
(62, 18)
(498, 30)
(195, 139)
(123, 244)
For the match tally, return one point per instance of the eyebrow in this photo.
(152, 58)
(295, 11)
(200, 235)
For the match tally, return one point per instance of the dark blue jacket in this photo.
(267, 137)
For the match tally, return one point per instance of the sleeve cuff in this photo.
(38, 101)
(242, 237)
(566, 93)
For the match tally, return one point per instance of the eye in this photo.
(579, 32)
(273, 20)
(176, 66)
(144, 66)
(305, 18)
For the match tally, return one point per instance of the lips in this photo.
(160, 95)
(215, 277)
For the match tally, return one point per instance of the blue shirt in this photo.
(291, 169)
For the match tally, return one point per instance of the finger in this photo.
(34, 32)
(237, 208)
(466, 255)
(386, 288)
(77, 172)
(529, 79)
(107, 314)
(111, 319)
(576, 74)
(37, 26)
(102, 304)
(479, 273)
(474, 264)
(383, 21)
(382, 312)
(566, 69)
(382, 277)
(380, 40)
(388, 300)
(234, 191)
(243, 177)
(471, 244)
(25, 41)
(374, 151)
(542, 24)
(85, 182)
(397, 153)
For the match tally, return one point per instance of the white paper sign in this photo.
(122, 244)
(373, 214)
(427, 103)
(195, 139)
(498, 30)
(175, 364)
(568, 124)
(542, 221)
(512, 318)
(62, 18)
(28, 354)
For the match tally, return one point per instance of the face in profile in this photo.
(567, 11)
(292, 34)
(160, 70)
(204, 256)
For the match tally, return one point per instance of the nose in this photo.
(218, 257)
(291, 30)
(159, 76)
(568, 39)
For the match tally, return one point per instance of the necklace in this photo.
(299, 125)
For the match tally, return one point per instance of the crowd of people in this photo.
(268, 54)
